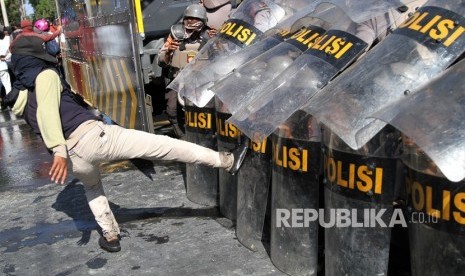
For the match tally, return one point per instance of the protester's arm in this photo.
(20, 103)
(48, 92)
(48, 37)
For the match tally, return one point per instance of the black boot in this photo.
(113, 246)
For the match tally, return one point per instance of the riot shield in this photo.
(201, 181)
(433, 117)
(248, 80)
(338, 48)
(435, 214)
(245, 27)
(229, 137)
(295, 188)
(253, 79)
(254, 177)
(360, 186)
(253, 183)
(224, 64)
(419, 49)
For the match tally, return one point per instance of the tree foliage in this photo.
(44, 8)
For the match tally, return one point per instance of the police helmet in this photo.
(196, 11)
(213, 4)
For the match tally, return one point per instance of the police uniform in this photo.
(217, 12)
(178, 59)
(376, 29)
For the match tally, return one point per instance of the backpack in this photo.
(52, 47)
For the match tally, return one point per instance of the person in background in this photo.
(10, 30)
(15, 30)
(28, 30)
(4, 74)
(42, 27)
(181, 46)
(52, 25)
(22, 80)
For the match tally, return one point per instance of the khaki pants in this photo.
(111, 142)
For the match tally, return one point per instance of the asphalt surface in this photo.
(48, 229)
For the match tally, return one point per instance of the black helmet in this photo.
(196, 11)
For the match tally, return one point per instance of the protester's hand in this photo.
(212, 32)
(59, 170)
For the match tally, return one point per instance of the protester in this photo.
(78, 138)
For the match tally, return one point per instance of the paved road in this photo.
(48, 229)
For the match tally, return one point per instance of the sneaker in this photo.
(239, 154)
(113, 246)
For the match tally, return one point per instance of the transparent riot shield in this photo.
(201, 181)
(295, 190)
(252, 78)
(253, 184)
(433, 117)
(419, 49)
(229, 137)
(224, 64)
(245, 27)
(359, 191)
(360, 11)
(248, 80)
(254, 178)
(434, 210)
(260, 114)
(431, 120)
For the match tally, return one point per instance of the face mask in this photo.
(197, 26)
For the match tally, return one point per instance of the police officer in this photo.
(180, 48)
(376, 29)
